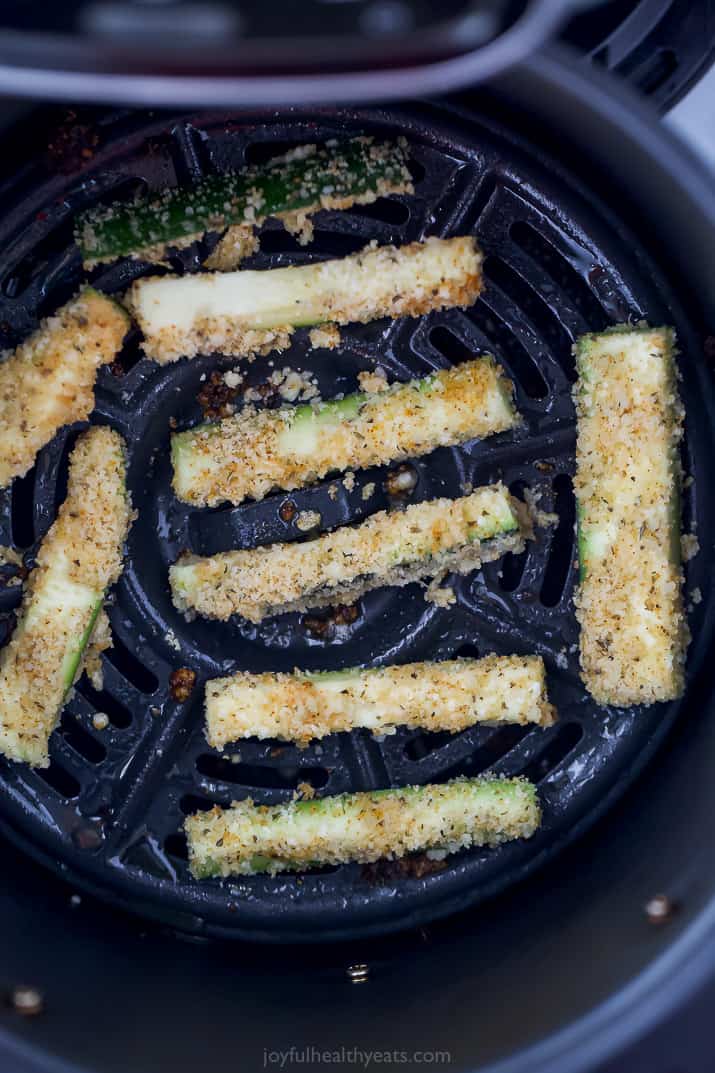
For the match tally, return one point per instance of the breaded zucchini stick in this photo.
(79, 558)
(248, 312)
(425, 540)
(450, 695)
(248, 838)
(48, 381)
(290, 187)
(630, 420)
(252, 453)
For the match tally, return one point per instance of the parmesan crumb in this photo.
(326, 337)
(307, 520)
(440, 596)
(171, 639)
(373, 382)
(368, 490)
(349, 481)
(689, 546)
(100, 721)
(233, 378)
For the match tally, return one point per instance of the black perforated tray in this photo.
(109, 809)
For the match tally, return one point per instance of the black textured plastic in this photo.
(109, 809)
(661, 47)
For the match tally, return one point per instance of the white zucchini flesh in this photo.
(425, 540)
(49, 380)
(255, 452)
(450, 695)
(630, 420)
(246, 312)
(365, 827)
(79, 558)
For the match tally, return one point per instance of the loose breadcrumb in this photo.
(373, 382)
(368, 491)
(440, 595)
(689, 546)
(325, 337)
(307, 520)
(99, 642)
(234, 246)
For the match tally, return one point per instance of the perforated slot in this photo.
(140, 676)
(82, 741)
(563, 740)
(548, 327)
(103, 701)
(285, 775)
(562, 272)
(520, 363)
(559, 561)
(60, 780)
(23, 496)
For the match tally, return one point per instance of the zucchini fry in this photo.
(248, 312)
(79, 558)
(255, 452)
(247, 838)
(630, 420)
(451, 695)
(425, 540)
(49, 380)
(291, 187)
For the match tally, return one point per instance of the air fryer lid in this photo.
(547, 951)
(220, 52)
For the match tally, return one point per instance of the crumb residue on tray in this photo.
(439, 595)
(325, 337)
(689, 546)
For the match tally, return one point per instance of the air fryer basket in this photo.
(561, 258)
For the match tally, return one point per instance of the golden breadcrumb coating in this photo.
(252, 453)
(48, 381)
(450, 695)
(368, 826)
(630, 420)
(253, 312)
(79, 558)
(425, 540)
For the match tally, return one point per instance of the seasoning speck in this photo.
(660, 909)
(27, 1001)
(181, 683)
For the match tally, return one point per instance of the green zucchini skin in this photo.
(427, 539)
(313, 177)
(251, 312)
(78, 559)
(247, 839)
(253, 453)
(448, 695)
(629, 603)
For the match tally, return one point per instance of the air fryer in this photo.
(544, 955)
